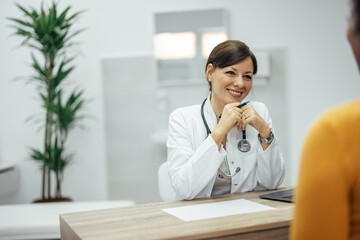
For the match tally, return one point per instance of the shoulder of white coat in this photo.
(263, 111)
(260, 107)
(186, 111)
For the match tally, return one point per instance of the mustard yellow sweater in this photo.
(327, 202)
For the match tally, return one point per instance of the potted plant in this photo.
(49, 34)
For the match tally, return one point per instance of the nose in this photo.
(239, 82)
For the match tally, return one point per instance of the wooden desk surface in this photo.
(148, 221)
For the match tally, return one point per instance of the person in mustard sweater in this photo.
(327, 203)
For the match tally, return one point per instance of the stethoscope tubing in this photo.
(203, 118)
(243, 145)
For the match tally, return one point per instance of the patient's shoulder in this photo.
(345, 115)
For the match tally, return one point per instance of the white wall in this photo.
(320, 68)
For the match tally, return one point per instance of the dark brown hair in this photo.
(356, 9)
(229, 53)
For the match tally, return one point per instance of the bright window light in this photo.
(175, 45)
(210, 40)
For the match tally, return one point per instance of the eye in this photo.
(248, 77)
(230, 73)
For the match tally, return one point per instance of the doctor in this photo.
(216, 147)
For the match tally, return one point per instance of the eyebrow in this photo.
(237, 70)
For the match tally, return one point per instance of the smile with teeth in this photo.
(236, 94)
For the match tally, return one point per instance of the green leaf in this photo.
(21, 22)
(27, 13)
(35, 47)
(24, 33)
(62, 16)
(74, 34)
(34, 14)
(54, 14)
(75, 15)
(37, 67)
(61, 76)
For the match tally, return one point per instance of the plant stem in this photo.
(49, 183)
(63, 137)
(43, 183)
(48, 129)
(58, 185)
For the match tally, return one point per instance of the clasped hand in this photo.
(240, 117)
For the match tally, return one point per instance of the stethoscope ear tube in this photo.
(203, 118)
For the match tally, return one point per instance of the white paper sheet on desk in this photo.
(217, 209)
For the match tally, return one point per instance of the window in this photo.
(210, 40)
(183, 42)
(175, 45)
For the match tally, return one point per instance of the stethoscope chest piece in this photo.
(244, 145)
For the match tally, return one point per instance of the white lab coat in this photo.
(194, 159)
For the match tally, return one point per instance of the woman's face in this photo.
(232, 83)
(354, 38)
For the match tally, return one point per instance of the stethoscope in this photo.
(243, 145)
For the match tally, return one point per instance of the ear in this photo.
(209, 71)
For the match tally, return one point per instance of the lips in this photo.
(234, 93)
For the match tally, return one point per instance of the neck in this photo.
(216, 105)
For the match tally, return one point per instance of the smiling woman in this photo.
(204, 152)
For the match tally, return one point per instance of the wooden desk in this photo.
(148, 221)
